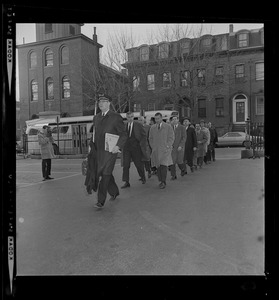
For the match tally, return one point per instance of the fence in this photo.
(68, 144)
(256, 133)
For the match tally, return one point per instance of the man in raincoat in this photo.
(161, 138)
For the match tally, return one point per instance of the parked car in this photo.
(232, 139)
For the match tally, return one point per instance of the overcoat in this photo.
(148, 148)
(201, 137)
(45, 143)
(140, 135)
(190, 143)
(161, 141)
(207, 132)
(111, 123)
(91, 179)
(179, 141)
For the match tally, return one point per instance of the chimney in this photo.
(95, 35)
(231, 28)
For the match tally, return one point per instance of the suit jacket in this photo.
(161, 141)
(140, 136)
(179, 141)
(191, 142)
(111, 123)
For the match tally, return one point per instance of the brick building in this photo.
(219, 78)
(60, 72)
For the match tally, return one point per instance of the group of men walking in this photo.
(154, 149)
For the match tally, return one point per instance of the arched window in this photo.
(34, 90)
(49, 57)
(66, 87)
(164, 50)
(49, 89)
(33, 60)
(64, 55)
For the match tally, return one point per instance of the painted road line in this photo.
(55, 179)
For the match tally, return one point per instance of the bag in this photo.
(84, 166)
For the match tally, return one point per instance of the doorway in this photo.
(240, 109)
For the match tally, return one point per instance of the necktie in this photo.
(159, 126)
(129, 129)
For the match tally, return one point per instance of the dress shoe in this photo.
(98, 205)
(48, 178)
(183, 173)
(126, 184)
(173, 177)
(113, 197)
(143, 180)
(162, 185)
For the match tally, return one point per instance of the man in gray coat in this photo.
(161, 138)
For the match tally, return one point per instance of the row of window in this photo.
(206, 43)
(48, 57)
(49, 87)
(219, 106)
(186, 76)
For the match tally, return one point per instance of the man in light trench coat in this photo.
(161, 138)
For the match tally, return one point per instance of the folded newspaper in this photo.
(110, 141)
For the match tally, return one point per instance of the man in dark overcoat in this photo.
(134, 148)
(146, 159)
(178, 147)
(213, 139)
(107, 121)
(190, 144)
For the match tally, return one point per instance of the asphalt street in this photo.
(210, 222)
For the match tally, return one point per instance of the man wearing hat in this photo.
(107, 121)
(45, 140)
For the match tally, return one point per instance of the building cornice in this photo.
(71, 37)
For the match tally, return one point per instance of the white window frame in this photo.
(237, 75)
(164, 49)
(241, 41)
(167, 79)
(185, 79)
(33, 59)
(136, 83)
(256, 106)
(150, 82)
(144, 53)
(261, 73)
